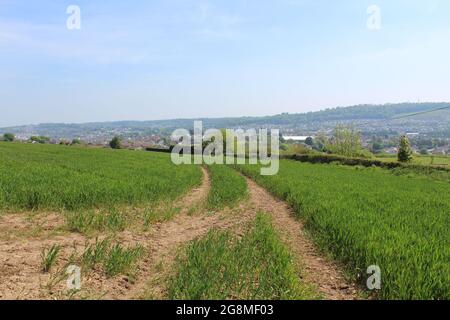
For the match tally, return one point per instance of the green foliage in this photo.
(90, 220)
(95, 253)
(48, 257)
(8, 137)
(228, 187)
(48, 177)
(152, 215)
(295, 148)
(114, 258)
(368, 216)
(115, 143)
(309, 141)
(39, 139)
(346, 141)
(404, 150)
(122, 260)
(76, 141)
(219, 266)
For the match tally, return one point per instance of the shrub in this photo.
(8, 137)
(115, 143)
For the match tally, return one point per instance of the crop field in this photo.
(141, 227)
(257, 266)
(47, 177)
(434, 160)
(367, 217)
(228, 187)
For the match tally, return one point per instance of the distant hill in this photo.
(366, 117)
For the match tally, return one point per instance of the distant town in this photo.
(427, 126)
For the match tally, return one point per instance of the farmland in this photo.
(39, 177)
(428, 160)
(219, 266)
(227, 187)
(367, 217)
(209, 232)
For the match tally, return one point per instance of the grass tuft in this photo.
(48, 257)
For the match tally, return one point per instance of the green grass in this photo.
(219, 266)
(372, 217)
(48, 257)
(95, 253)
(122, 260)
(436, 160)
(157, 215)
(49, 177)
(114, 258)
(228, 187)
(86, 221)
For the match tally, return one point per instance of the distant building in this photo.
(296, 138)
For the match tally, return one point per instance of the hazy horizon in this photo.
(218, 117)
(189, 59)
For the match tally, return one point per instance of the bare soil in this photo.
(324, 274)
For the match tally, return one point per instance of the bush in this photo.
(115, 143)
(330, 158)
(8, 137)
(39, 139)
(76, 141)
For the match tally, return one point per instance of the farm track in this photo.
(325, 275)
(169, 236)
(19, 264)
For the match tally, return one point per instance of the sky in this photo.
(164, 59)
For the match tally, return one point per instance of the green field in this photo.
(426, 160)
(371, 217)
(220, 266)
(228, 187)
(49, 177)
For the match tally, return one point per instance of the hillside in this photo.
(369, 118)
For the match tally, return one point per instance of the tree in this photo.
(309, 141)
(40, 139)
(8, 137)
(404, 150)
(377, 147)
(346, 141)
(115, 143)
(76, 141)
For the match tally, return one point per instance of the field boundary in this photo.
(326, 159)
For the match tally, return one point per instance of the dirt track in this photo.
(322, 273)
(20, 276)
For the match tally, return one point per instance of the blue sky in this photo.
(142, 60)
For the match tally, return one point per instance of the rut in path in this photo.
(320, 272)
(167, 237)
(324, 274)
